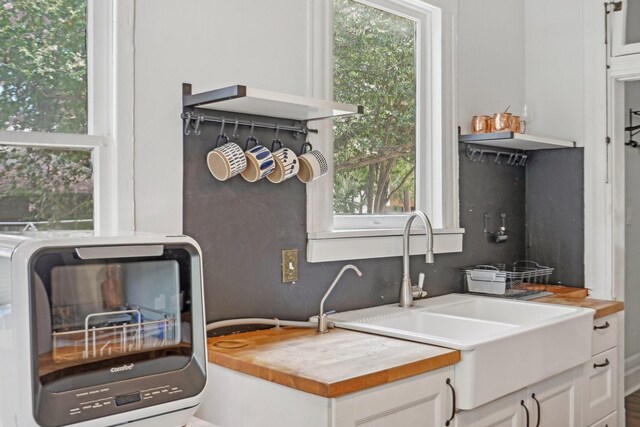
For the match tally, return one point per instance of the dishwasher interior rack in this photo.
(523, 279)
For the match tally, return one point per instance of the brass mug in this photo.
(480, 124)
(501, 122)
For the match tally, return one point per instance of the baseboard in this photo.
(632, 374)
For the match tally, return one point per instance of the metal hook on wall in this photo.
(199, 119)
(235, 135)
(187, 122)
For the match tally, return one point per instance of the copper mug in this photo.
(501, 122)
(517, 125)
(480, 124)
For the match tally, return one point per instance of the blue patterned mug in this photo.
(260, 162)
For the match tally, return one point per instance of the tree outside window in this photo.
(374, 66)
(43, 88)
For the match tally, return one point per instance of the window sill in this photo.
(344, 245)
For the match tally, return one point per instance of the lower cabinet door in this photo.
(557, 401)
(422, 401)
(508, 411)
(602, 376)
(610, 420)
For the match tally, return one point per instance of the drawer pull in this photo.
(453, 408)
(601, 365)
(526, 411)
(533, 396)
(605, 326)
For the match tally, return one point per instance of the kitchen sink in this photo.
(505, 344)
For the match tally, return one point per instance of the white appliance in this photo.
(100, 330)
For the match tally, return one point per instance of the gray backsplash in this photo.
(243, 227)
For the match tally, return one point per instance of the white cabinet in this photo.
(422, 401)
(625, 33)
(601, 373)
(234, 399)
(556, 401)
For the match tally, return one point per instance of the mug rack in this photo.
(477, 154)
(632, 129)
(193, 120)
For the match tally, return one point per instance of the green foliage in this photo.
(374, 155)
(43, 71)
(43, 87)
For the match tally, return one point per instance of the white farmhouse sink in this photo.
(506, 345)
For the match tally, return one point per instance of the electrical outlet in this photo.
(289, 265)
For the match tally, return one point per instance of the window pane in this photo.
(374, 66)
(43, 65)
(46, 189)
(633, 17)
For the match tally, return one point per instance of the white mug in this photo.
(260, 162)
(287, 163)
(313, 164)
(226, 161)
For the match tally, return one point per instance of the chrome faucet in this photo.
(406, 291)
(322, 317)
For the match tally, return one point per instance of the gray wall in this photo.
(243, 227)
(555, 213)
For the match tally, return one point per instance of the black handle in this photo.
(453, 408)
(605, 326)
(601, 365)
(533, 396)
(526, 410)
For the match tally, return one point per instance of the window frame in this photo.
(110, 115)
(357, 237)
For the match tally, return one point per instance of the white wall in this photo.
(490, 58)
(554, 67)
(211, 44)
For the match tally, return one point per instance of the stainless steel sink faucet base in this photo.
(406, 294)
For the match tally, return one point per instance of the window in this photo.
(57, 135)
(396, 58)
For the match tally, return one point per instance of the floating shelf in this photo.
(244, 100)
(516, 141)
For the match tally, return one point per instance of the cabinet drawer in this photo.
(605, 334)
(602, 385)
(610, 420)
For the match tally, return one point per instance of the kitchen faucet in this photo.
(406, 295)
(322, 317)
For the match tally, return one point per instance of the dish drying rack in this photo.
(147, 328)
(525, 278)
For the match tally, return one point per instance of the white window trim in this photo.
(110, 103)
(437, 162)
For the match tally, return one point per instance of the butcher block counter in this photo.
(328, 365)
(577, 297)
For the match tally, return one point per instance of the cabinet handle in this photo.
(533, 396)
(453, 407)
(601, 365)
(605, 326)
(526, 411)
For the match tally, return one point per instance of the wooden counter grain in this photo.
(602, 307)
(328, 365)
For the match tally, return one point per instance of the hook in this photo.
(251, 138)
(222, 127)
(276, 140)
(235, 135)
(199, 120)
(497, 160)
(187, 122)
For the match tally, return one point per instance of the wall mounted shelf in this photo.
(516, 141)
(245, 100)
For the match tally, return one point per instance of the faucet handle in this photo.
(417, 290)
(421, 280)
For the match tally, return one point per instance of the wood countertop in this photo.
(602, 307)
(328, 365)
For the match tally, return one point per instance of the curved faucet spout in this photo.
(406, 297)
(322, 318)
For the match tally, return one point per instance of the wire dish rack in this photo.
(523, 279)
